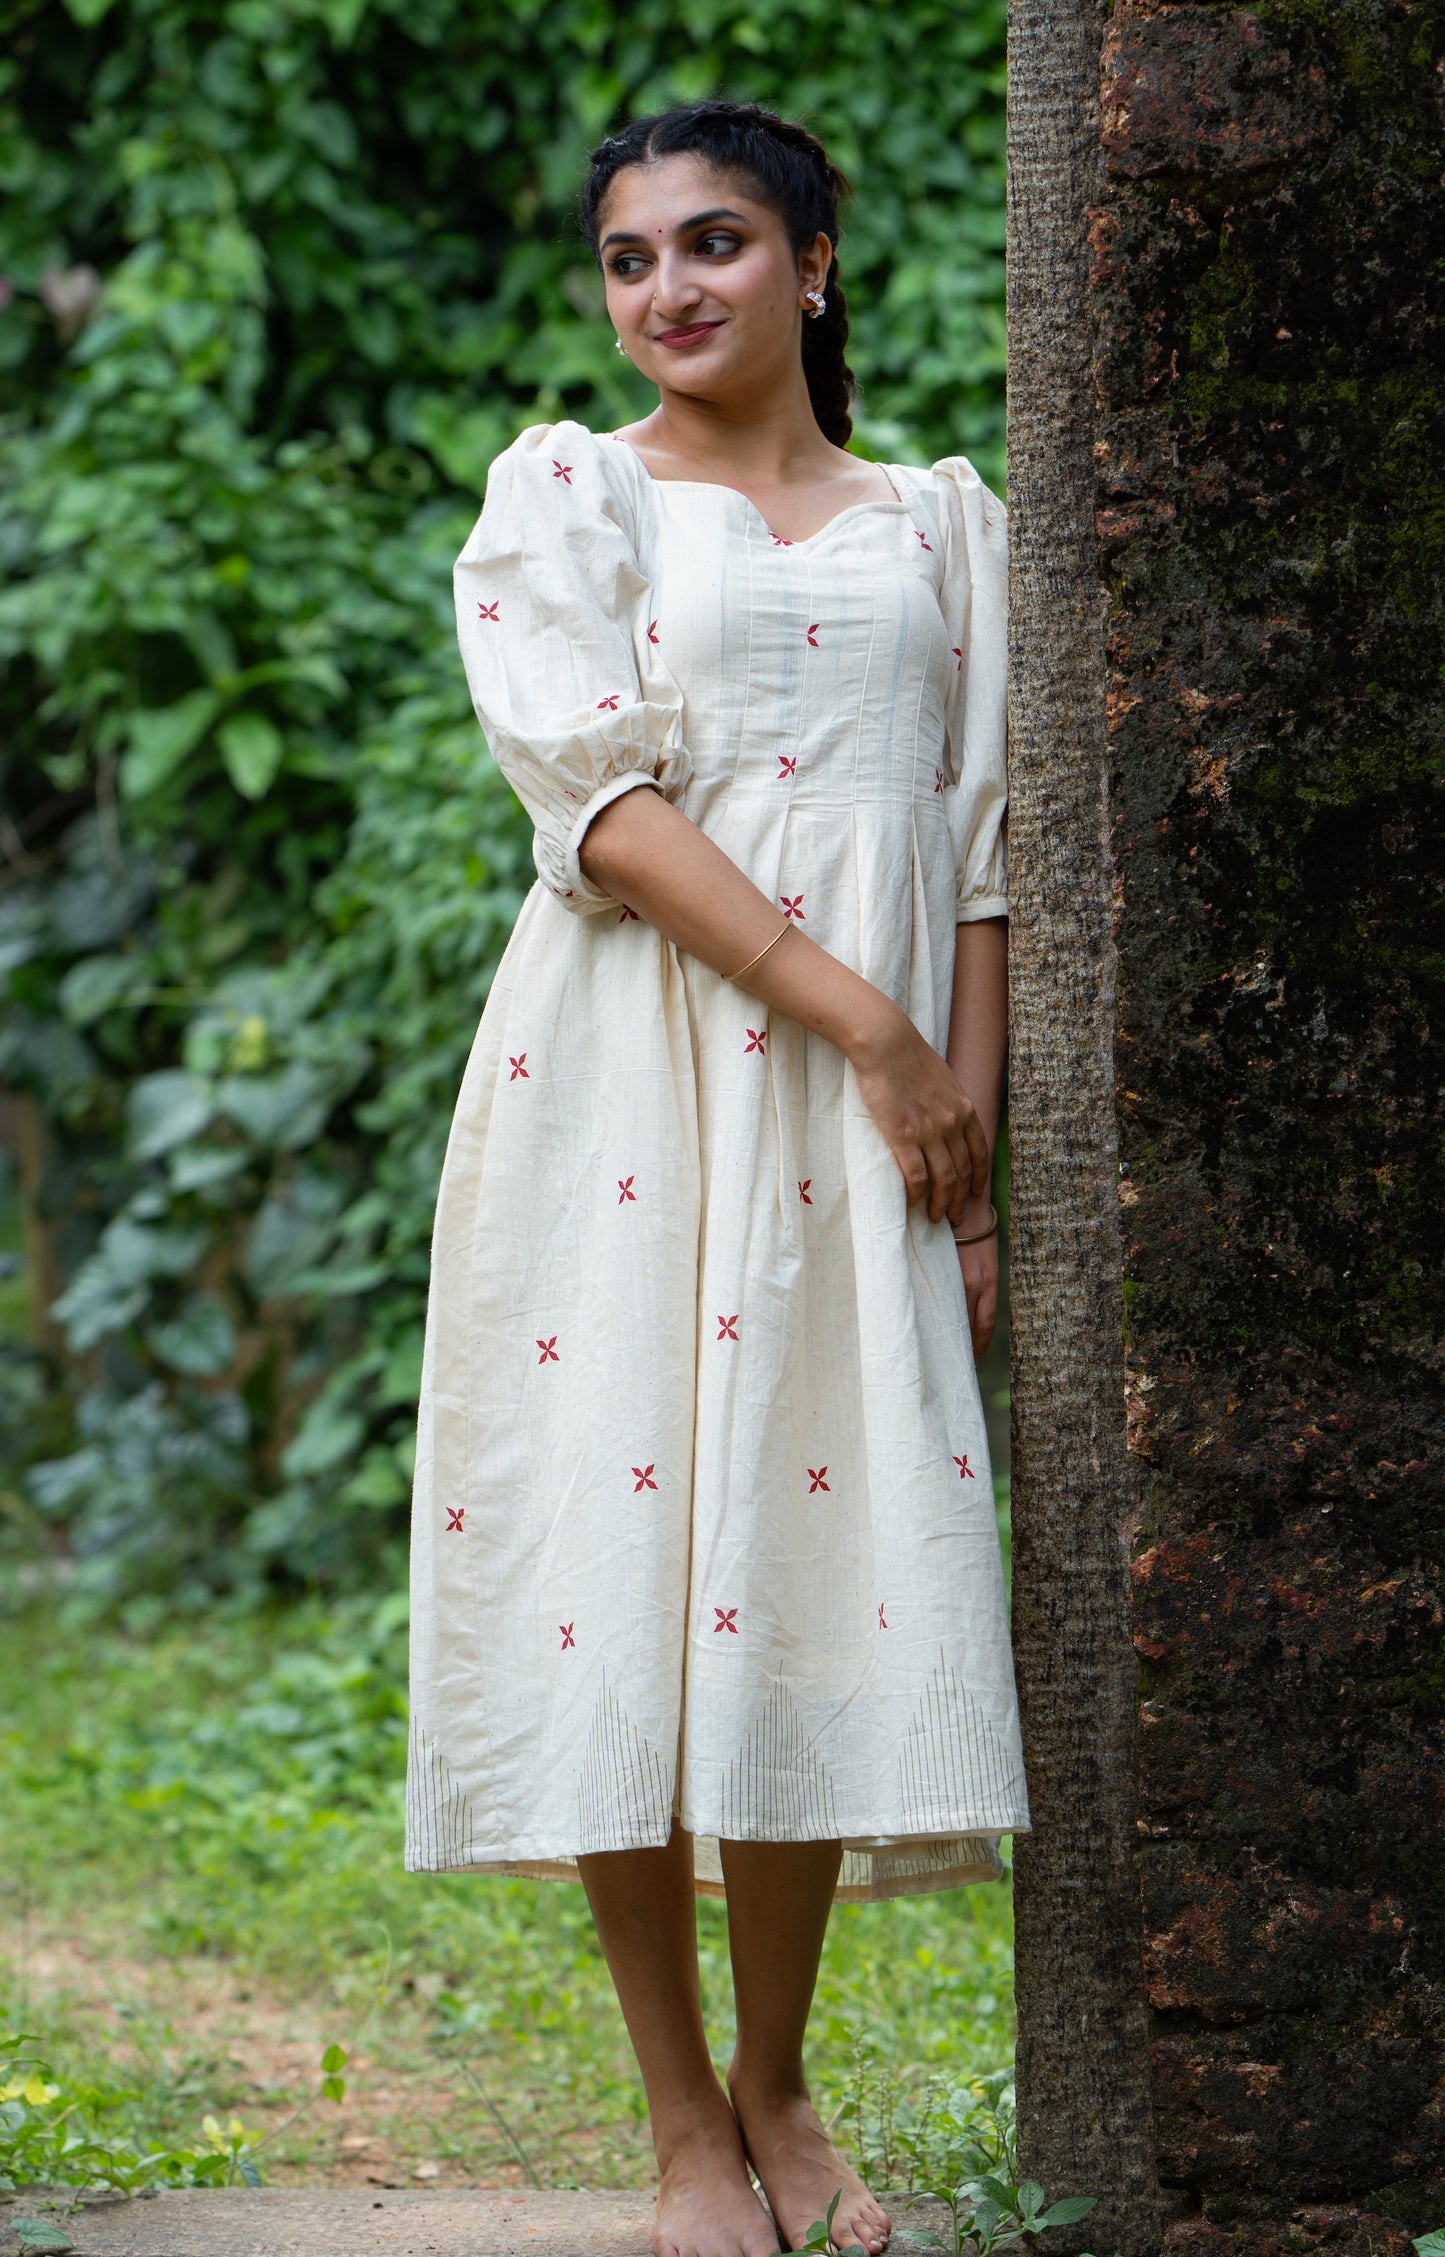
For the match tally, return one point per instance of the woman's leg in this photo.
(642, 1902)
(779, 1897)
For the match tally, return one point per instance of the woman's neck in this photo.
(769, 443)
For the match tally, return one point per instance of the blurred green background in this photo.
(279, 281)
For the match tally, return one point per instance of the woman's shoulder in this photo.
(565, 455)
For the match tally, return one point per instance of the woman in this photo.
(707, 1586)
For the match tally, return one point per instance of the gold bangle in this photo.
(762, 952)
(980, 1234)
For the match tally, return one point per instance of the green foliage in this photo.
(57, 2132)
(279, 281)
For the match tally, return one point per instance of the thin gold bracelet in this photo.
(980, 1234)
(762, 952)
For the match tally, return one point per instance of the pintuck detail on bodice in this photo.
(703, 1522)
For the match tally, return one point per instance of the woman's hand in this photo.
(929, 1125)
(979, 1264)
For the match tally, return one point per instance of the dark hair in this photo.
(790, 170)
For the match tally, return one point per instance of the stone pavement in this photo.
(338, 2222)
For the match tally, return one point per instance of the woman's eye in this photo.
(626, 265)
(718, 246)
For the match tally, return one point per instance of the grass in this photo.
(201, 1888)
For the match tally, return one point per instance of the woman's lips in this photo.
(692, 335)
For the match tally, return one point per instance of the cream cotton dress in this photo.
(704, 1527)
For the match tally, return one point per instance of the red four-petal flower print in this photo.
(926, 543)
(626, 913)
(562, 470)
(487, 610)
(566, 1629)
(549, 1353)
(965, 1470)
(793, 907)
(882, 1624)
(608, 704)
(780, 543)
(805, 1190)
(454, 1520)
(788, 766)
(727, 1619)
(644, 1475)
(727, 1328)
(652, 630)
(815, 1477)
(813, 635)
(757, 1040)
(958, 654)
(938, 779)
(519, 1067)
(625, 1190)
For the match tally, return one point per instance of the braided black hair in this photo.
(790, 170)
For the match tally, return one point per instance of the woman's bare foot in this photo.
(801, 2170)
(706, 2206)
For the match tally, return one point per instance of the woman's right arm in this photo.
(646, 852)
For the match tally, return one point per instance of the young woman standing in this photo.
(707, 1588)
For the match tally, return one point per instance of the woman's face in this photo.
(704, 288)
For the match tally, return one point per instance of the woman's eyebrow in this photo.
(699, 219)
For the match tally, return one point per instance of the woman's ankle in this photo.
(701, 2124)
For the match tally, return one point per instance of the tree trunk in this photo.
(1085, 2120)
(1227, 332)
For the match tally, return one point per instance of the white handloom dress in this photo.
(703, 1524)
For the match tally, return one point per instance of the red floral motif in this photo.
(519, 1068)
(549, 1353)
(805, 1191)
(757, 1040)
(567, 1637)
(608, 704)
(626, 913)
(487, 611)
(652, 630)
(644, 1475)
(938, 779)
(454, 1520)
(815, 1477)
(813, 635)
(625, 1190)
(787, 765)
(780, 543)
(965, 1470)
(562, 470)
(727, 1328)
(927, 544)
(958, 654)
(883, 1624)
(727, 1619)
(793, 908)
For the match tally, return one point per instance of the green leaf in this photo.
(34, 2233)
(199, 1340)
(1071, 2209)
(252, 748)
(165, 1110)
(334, 2088)
(250, 2176)
(332, 2059)
(160, 740)
(1431, 2244)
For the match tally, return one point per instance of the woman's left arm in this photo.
(977, 1047)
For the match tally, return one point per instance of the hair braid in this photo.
(792, 172)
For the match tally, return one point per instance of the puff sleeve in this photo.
(552, 618)
(974, 596)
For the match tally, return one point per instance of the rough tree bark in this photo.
(1085, 2123)
(1265, 419)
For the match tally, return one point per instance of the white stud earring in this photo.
(617, 341)
(818, 301)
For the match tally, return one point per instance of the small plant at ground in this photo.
(56, 2133)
